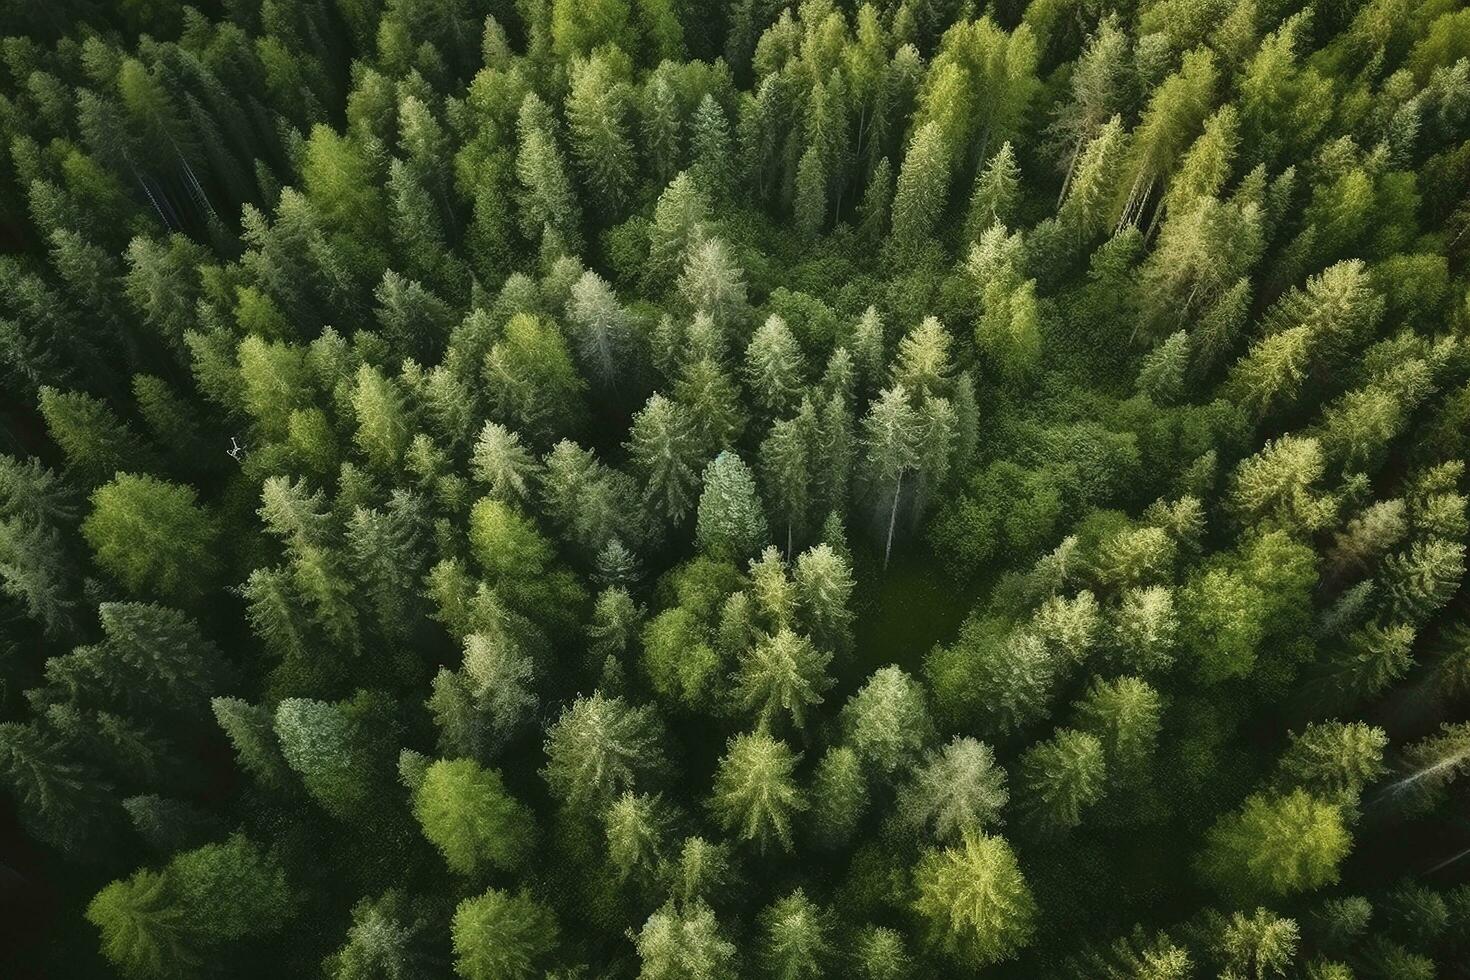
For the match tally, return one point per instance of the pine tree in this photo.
(382, 425)
(839, 798)
(35, 559)
(956, 790)
(250, 729)
(152, 536)
(501, 463)
(466, 812)
(605, 341)
(1060, 778)
(500, 936)
(730, 520)
(95, 441)
(1275, 846)
(676, 943)
(923, 186)
(532, 384)
(1124, 714)
(61, 800)
(636, 828)
(974, 901)
(796, 938)
(996, 194)
(600, 747)
(891, 448)
(786, 472)
(548, 199)
(598, 107)
(710, 147)
(783, 674)
(384, 939)
(662, 445)
(886, 722)
(662, 129)
(755, 794)
(680, 221)
(824, 585)
(712, 283)
(144, 928)
(324, 745)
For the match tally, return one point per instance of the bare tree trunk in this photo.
(892, 519)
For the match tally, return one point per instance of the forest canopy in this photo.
(696, 490)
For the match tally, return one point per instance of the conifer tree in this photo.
(839, 798)
(679, 227)
(1275, 846)
(152, 536)
(957, 790)
(975, 901)
(1060, 778)
(500, 936)
(781, 675)
(466, 812)
(886, 722)
(597, 110)
(755, 794)
(598, 748)
(676, 943)
(663, 447)
(730, 521)
(923, 186)
(891, 448)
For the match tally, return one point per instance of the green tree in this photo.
(824, 584)
(466, 812)
(781, 675)
(1334, 760)
(324, 743)
(773, 366)
(730, 520)
(712, 282)
(796, 938)
(891, 451)
(755, 794)
(531, 382)
(923, 187)
(1060, 778)
(60, 799)
(548, 199)
(600, 748)
(678, 943)
(974, 901)
(502, 936)
(384, 939)
(886, 722)
(785, 462)
(996, 194)
(152, 536)
(1275, 846)
(662, 445)
(956, 790)
(839, 798)
(95, 441)
(598, 108)
(680, 220)
(504, 465)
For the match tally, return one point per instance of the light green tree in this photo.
(466, 812)
(755, 793)
(974, 901)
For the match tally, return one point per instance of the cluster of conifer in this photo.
(467, 465)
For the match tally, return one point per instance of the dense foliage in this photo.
(684, 489)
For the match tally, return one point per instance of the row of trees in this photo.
(457, 454)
